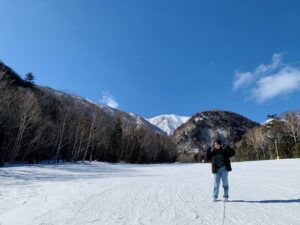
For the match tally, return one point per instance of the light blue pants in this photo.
(221, 173)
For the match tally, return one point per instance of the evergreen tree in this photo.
(29, 78)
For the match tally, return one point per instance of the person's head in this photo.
(217, 144)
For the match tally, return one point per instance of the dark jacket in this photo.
(226, 151)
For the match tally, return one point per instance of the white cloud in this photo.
(285, 81)
(242, 80)
(269, 81)
(245, 79)
(109, 100)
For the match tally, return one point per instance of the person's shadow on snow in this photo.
(268, 201)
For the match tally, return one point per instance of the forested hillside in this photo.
(38, 123)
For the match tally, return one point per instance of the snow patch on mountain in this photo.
(137, 118)
(168, 123)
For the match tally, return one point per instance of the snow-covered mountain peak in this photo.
(168, 123)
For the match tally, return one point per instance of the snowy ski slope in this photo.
(261, 192)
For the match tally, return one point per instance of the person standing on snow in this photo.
(219, 155)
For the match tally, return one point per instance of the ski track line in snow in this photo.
(85, 203)
(186, 203)
(223, 213)
(152, 200)
(95, 198)
(153, 195)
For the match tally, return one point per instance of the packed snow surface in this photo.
(261, 192)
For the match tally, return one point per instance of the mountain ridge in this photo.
(168, 122)
(199, 132)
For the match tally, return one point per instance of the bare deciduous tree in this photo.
(95, 132)
(27, 110)
(62, 130)
(256, 138)
(291, 126)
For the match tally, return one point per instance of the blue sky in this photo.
(160, 57)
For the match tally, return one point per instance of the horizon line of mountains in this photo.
(193, 133)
